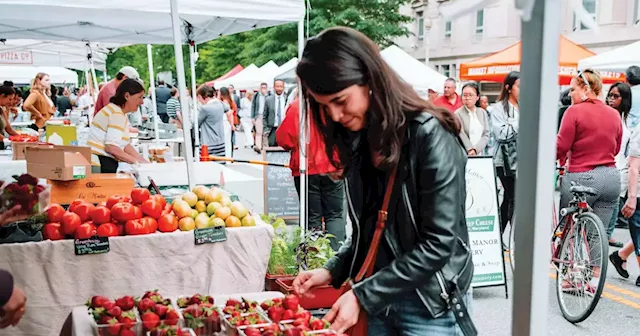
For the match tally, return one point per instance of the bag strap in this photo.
(367, 267)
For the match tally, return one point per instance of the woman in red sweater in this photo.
(326, 195)
(590, 137)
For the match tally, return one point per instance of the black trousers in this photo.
(108, 165)
(271, 137)
(509, 197)
(164, 117)
(326, 200)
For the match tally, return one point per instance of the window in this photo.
(437, 68)
(420, 22)
(590, 6)
(447, 29)
(480, 22)
(445, 70)
(453, 71)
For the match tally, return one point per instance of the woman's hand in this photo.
(14, 309)
(344, 313)
(629, 207)
(309, 279)
(472, 152)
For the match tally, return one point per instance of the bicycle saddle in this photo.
(578, 189)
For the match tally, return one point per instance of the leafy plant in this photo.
(282, 260)
(315, 250)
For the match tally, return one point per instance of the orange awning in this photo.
(231, 72)
(494, 67)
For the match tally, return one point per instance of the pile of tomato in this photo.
(23, 138)
(137, 214)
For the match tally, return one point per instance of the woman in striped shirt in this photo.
(109, 132)
(173, 108)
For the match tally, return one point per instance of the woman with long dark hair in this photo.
(505, 116)
(394, 149)
(229, 123)
(109, 136)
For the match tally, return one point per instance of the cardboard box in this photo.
(94, 189)
(60, 163)
(19, 149)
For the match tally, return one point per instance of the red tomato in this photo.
(168, 223)
(167, 209)
(150, 223)
(85, 231)
(100, 215)
(108, 230)
(152, 208)
(54, 213)
(120, 229)
(139, 195)
(70, 221)
(53, 231)
(160, 199)
(103, 203)
(115, 199)
(135, 227)
(123, 212)
(74, 204)
(84, 210)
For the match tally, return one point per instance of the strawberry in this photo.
(146, 304)
(104, 319)
(277, 300)
(150, 320)
(275, 314)
(194, 311)
(305, 314)
(26, 179)
(291, 302)
(96, 301)
(160, 310)
(183, 302)
(252, 332)
(228, 310)
(316, 324)
(233, 303)
(126, 303)
(195, 299)
(114, 327)
(127, 332)
(301, 322)
(108, 305)
(150, 293)
(172, 317)
(288, 315)
(295, 331)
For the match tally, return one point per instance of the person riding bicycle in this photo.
(590, 137)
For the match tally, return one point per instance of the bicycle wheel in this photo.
(582, 269)
(512, 244)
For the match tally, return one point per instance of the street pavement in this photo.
(617, 313)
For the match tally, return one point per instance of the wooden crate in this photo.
(94, 189)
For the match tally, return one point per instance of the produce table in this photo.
(83, 324)
(55, 280)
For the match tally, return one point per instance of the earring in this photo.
(370, 92)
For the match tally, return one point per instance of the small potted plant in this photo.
(282, 260)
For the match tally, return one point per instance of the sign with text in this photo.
(210, 235)
(483, 223)
(280, 195)
(16, 57)
(93, 245)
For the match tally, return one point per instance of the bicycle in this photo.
(580, 270)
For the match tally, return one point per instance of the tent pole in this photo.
(196, 130)
(182, 84)
(152, 90)
(94, 81)
(303, 142)
(539, 85)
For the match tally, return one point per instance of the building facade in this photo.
(444, 45)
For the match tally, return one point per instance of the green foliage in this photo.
(315, 251)
(380, 20)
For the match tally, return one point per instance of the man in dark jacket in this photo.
(257, 109)
(163, 94)
(274, 112)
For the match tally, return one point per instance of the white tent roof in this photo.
(412, 71)
(617, 60)
(53, 53)
(141, 21)
(246, 73)
(290, 65)
(20, 74)
(252, 80)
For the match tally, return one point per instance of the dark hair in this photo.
(61, 91)
(160, 82)
(120, 76)
(341, 57)
(633, 75)
(474, 86)
(625, 94)
(278, 80)
(130, 86)
(174, 91)
(507, 84)
(565, 98)
(225, 95)
(7, 83)
(6, 90)
(206, 91)
(264, 84)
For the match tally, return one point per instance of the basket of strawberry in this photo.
(171, 331)
(114, 318)
(26, 193)
(186, 301)
(203, 318)
(156, 311)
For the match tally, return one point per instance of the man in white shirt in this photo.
(84, 101)
(274, 111)
(257, 112)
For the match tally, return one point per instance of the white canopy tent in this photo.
(616, 60)
(414, 72)
(250, 79)
(23, 75)
(73, 55)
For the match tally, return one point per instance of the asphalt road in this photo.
(617, 313)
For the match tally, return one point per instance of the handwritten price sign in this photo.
(16, 57)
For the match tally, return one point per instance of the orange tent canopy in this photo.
(494, 67)
(231, 72)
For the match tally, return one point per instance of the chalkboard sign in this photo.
(93, 245)
(280, 195)
(210, 235)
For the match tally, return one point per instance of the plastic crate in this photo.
(323, 296)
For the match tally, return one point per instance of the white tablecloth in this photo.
(83, 324)
(55, 280)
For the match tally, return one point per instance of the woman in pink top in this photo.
(590, 136)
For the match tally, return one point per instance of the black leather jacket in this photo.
(426, 227)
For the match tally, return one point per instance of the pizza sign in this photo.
(16, 57)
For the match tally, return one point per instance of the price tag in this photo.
(210, 235)
(93, 245)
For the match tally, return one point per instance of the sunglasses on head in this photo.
(584, 79)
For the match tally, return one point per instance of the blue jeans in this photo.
(409, 317)
(634, 230)
(614, 217)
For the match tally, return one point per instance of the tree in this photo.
(378, 19)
